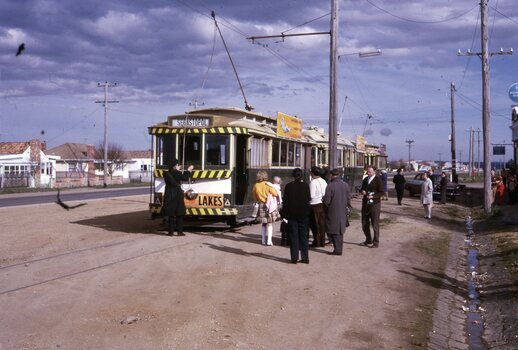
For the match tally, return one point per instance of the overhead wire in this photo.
(471, 48)
(493, 24)
(303, 24)
(229, 25)
(504, 15)
(421, 22)
(477, 105)
(76, 124)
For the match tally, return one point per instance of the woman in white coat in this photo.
(427, 195)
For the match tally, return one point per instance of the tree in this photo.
(117, 157)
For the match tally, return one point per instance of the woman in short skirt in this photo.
(266, 215)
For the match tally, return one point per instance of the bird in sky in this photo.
(66, 206)
(20, 49)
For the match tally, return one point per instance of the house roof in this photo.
(13, 147)
(139, 154)
(74, 151)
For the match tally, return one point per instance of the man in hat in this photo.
(174, 206)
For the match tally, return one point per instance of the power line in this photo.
(502, 14)
(303, 24)
(493, 24)
(421, 22)
(477, 105)
(469, 58)
(235, 29)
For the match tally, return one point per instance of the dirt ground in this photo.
(105, 276)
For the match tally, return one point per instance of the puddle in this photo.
(475, 323)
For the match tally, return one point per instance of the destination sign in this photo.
(205, 200)
(191, 122)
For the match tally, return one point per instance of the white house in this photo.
(25, 164)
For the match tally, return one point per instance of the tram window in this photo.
(192, 150)
(291, 154)
(216, 147)
(298, 154)
(284, 153)
(275, 152)
(167, 149)
(259, 152)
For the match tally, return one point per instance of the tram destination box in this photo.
(191, 122)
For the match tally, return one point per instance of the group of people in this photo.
(504, 187)
(322, 205)
(427, 189)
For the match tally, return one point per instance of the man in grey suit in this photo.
(337, 200)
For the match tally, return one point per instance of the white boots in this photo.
(266, 234)
(269, 232)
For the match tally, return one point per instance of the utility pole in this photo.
(410, 142)
(333, 106)
(196, 103)
(484, 55)
(106, 85)
(453, 151)
(478, 131)
(470, 150)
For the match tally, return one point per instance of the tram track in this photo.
(28, 274)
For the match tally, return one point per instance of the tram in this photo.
(227, 147)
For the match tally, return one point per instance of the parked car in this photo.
(414, 187)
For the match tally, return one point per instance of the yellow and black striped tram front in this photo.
(209, 193)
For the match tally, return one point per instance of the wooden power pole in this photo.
(453, 150)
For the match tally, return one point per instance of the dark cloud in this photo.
(159, 53)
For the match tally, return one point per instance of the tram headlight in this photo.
(190, 194)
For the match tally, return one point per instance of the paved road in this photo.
(11, 200)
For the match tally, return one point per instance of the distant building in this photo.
(25, 164)
(75, 166)
(140, 166)
(81, 165)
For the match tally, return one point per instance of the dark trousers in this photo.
(371, 216)
(338, 243)
(318, 225)
(175, 224)
(399, 193)
(443, 196)
(298, 232)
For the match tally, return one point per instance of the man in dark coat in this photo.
(444, 187)
(399, 182)
(337, 200)
(372, 191)
(295, 209)
(174, 206)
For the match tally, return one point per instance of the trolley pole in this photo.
(106, 85)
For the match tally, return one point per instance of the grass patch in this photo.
(506, 245)
(384, 222)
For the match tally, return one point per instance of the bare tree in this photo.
(117, 157)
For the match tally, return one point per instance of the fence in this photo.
(14, 180)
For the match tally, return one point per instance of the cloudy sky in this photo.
(165, 54)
